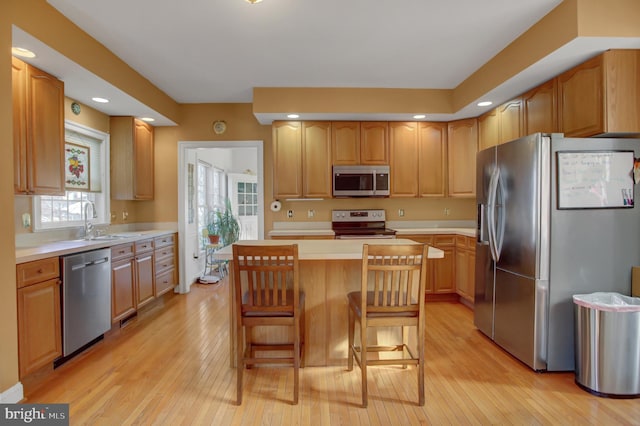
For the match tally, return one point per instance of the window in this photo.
(211, 191)
(53, 212)
(247, 193)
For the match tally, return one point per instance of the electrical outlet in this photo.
(311, 213)
(447, 211)
(125, 215)
(289, 213)
(401, 212)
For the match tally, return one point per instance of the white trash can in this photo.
(607, 344)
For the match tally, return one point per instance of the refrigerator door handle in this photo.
(500, 214)
(491, 212)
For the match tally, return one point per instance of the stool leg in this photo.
(352, 326)
(239, 363)
(363, 361)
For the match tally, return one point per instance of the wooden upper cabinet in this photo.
(600, 96)
(132, 159)
(488, 129)
(510, 120)
(38, 119)
(540, 106)
(287, 159)
(345, 142)
(432, 149)
(374, 142)
(462, 146)
(316, 159)
(403, 144)
(500, 125)
(355, 142)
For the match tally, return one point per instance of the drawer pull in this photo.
(40, 271)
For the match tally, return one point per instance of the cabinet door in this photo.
(540, 109)
(488, 129)
(143, 161)
(374, 142)
(39, 328)
(144, 279)
(510, 120)
(287, 159)
(403, 144)
(345, 142)
(463, 146)
(123, 297)
(462, 272)
(446, 267)
(316, 159)
(45, 135)
(19, 97)
(580, 99)
(432, 148)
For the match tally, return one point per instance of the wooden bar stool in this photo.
(267, 293)
(392, 294)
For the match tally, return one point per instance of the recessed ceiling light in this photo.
(147, 119)
(419, 116)
(293, 115)
(253, 1)
(100, 100)
(484, 103)
(25, 53)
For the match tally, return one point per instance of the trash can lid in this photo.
(608, 301)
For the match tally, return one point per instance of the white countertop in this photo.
(326, 249)
(469, 232)
(61, 248)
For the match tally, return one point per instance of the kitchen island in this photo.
(329, 269)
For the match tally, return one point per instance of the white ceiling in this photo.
(209, 51)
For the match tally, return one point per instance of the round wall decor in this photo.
(75, 108)
(219, 127)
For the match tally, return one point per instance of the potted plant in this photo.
(222, 224)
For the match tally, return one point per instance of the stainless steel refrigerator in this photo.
(542, 238)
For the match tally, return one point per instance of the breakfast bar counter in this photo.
(329, 269)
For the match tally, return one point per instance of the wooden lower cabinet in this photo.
(165, 264)
(465, 267)
(144, 278)
(442, 270)
(303, 237)
(39, 314)
(123, 297)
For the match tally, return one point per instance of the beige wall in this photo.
(573, 18)
(8, 310)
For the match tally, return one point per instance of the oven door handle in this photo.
(365, 237)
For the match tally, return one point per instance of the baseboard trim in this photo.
(12, 395)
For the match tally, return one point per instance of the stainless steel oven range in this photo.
(351, 224)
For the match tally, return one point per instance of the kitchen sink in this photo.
(118, 236)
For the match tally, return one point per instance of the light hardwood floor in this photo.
(170, 367)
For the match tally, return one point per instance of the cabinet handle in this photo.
(40, 271)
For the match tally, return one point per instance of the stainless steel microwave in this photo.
(360, 181)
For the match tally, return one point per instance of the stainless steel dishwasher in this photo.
(86, 298)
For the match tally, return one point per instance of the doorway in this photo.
(235, 171)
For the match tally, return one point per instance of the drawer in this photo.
(164, 252)
(444, 240)
(143, 246)
(461, 241)
(37, 271)
(165, 240)
(165, 282)
(121, 251)
(471, 243)
(163, 265)
(424, 239)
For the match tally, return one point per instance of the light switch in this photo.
(26, 220)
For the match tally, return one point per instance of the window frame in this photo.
(102, 206)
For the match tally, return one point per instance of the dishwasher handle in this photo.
(87, 264)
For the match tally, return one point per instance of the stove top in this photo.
(359, 223)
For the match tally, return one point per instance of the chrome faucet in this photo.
(88, 226)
